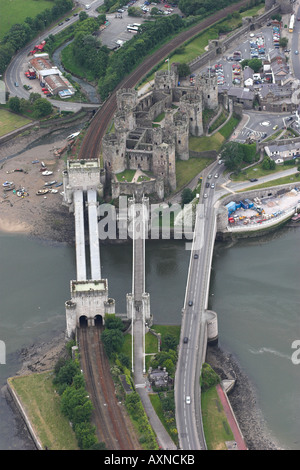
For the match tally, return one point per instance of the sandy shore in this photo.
(40, 216)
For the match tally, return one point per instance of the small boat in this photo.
(41, 192)
(9, 188)
(35, 161)
(296, 218)
(7, 183)
(58, 184)
(47, 173)
(54, 191)
(51, 183)
(43, 164)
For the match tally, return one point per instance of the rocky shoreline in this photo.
(243, 400)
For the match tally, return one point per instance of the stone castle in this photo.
(139, 143)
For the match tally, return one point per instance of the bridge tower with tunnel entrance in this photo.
(89, 301)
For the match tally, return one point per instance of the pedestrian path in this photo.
(231, 419)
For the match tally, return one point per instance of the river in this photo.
(254, 289)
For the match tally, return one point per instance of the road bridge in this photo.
(198, 327)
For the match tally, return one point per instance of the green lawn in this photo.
(10, 121)
(126, 175)
(269, 184)
(215, 424)
(186, 170)
(15, 11)
(256, 171)
(42, 405)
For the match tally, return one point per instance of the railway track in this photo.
(107, 415)
(91, 145)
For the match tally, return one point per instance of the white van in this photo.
(87, 7)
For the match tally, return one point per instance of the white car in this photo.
(188, 400)
(205, 196)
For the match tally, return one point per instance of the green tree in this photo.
(186, 196)
(169, 342)
(85, 434)
(14, 104)
(283, 42)
(183, 70)
(113, 322)
(112, 340)
(232, 156)
(255, 64)
(42, 107)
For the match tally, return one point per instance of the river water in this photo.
(254, 289)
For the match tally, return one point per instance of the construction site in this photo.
(259, 210)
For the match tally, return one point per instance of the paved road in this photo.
(193, 350)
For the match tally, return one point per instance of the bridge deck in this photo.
(93, 232)
(79, 235)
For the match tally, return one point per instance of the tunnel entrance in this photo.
(83, 321)
(98, 321)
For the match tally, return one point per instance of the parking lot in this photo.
(116, 30)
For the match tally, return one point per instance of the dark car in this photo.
(253, 179)
(207, 185)
(185, 339)
(190, 303)
(196, 256)
(67, 19)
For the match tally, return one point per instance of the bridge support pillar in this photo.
(212, 326)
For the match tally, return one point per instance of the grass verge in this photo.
(10, 121)
(42, 405)
(215, 424)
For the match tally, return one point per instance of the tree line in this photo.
(21, 34)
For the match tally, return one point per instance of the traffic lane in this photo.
(296, 46)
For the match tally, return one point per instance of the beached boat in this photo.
(51, 183)
(296, 218)
(47, 173)
(41, 192)
(8, 186)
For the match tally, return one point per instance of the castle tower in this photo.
(124, 120)
(113, 151)
(285, 6)
(127, 98)
(165, 80)
(209, 88)
(163, 163)
(182, 139)
(191, 105)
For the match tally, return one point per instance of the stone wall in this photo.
(220, 46)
